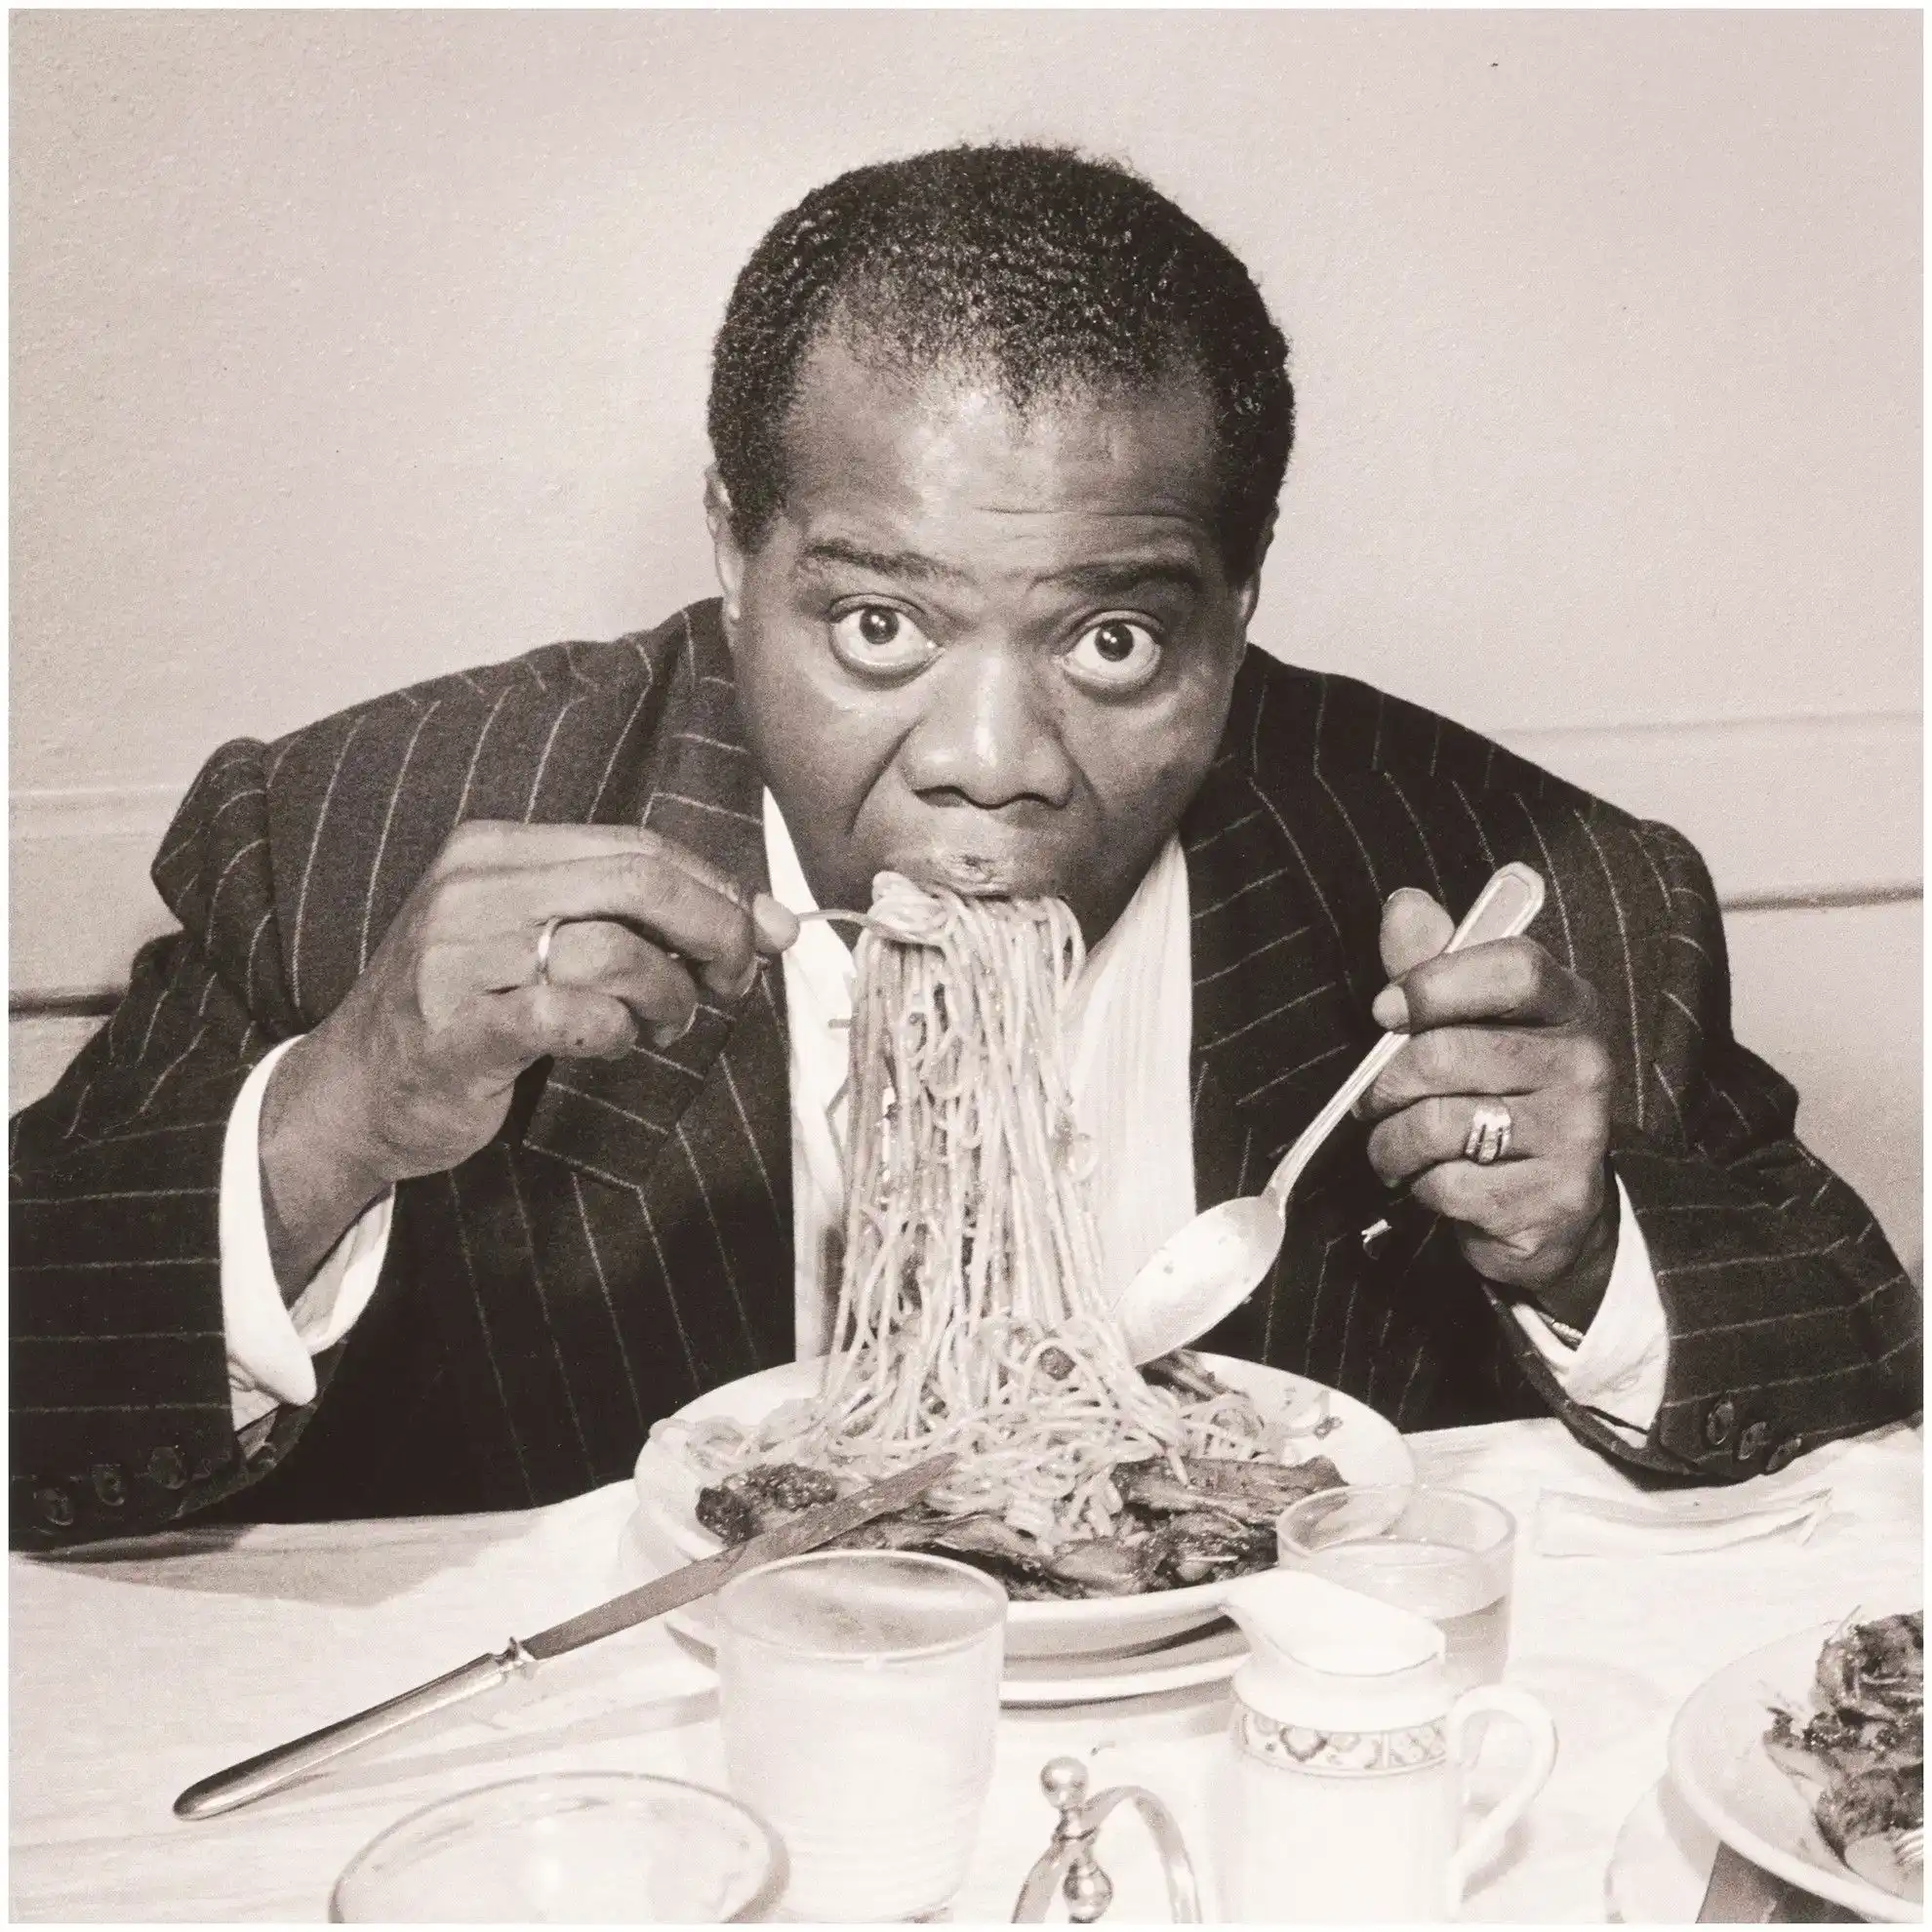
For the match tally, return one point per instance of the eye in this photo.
(1116, 654)
(876, 640)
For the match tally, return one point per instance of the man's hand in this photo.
(1502, 1021)
(414, 1072)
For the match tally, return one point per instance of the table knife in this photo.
(241, 1783)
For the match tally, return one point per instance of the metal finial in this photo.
(1068, 1865)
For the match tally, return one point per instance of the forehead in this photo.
(942, 460)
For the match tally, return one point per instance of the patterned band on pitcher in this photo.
(1340, 1753)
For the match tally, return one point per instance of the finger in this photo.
(1498, 1200)
(649, 891)
(592, 955)
(1414, 928)
(1432, 1131)
(1472, 1060)
(1512, 981)
(1517, 1220)
(484, 845)
(567, 1021)
(599, 956)
(777, 923)
(774, 925)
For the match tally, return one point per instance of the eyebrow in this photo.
(1094, 579)
(881, 563)
(1113, 579)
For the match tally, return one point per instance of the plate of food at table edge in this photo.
(1108, 1501)
(1807, 1757)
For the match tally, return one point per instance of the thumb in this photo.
(1414, 928)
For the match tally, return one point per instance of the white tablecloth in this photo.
(141, 1668)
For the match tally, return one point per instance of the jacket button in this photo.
(166, 1467)
(1717, 1423)
(1784, 1454)
(107, 1485)
(1750, 1440)
(56, 1505)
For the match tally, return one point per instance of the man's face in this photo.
(983, 650)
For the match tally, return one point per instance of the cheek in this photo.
(1142, 779)
(1164, 755)
(819, 743)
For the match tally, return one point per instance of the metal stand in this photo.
(1069, 1863)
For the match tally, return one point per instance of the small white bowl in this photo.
(571, 1847)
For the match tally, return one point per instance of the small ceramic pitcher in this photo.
(1342, 1796)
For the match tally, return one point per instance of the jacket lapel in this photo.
(1277, 1023)
(609, 1117)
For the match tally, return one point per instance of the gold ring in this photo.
(544, 940)
(1490, 1128)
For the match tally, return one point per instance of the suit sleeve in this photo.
(1790, 1320)
(121, 1415)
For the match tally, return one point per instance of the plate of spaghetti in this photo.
(972, 1316)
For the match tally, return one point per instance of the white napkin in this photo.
(1677, 1522)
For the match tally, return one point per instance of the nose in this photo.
(987, 736)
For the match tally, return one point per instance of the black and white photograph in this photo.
(966, 965)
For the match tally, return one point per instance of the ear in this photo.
(726, 552)
(1247, 593)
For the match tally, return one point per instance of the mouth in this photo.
(980, 854)
(973, 874)
(976, 874)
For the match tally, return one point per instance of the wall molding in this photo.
(79, 901)
(89, 1003)
(1787, 812)
(1824, 901)
(98, 811)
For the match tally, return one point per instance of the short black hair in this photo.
(1038, 267)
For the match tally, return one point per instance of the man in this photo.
(478, 1115)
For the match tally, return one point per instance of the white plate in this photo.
(1208, 1656)
(1720, 1764)
(1659, 1865)
(1367, 1448)
(1200, 1657)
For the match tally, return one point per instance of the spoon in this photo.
(1206, 1269)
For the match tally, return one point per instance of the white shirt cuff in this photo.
(1619, 1366)
(271, 1345)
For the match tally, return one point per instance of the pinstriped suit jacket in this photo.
(625, 1242)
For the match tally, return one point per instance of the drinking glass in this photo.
(859, 1694)
(1443, 1554)
(574, 1847)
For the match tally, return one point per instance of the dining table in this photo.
(141, 1666)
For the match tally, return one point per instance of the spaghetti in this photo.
(971, 1315)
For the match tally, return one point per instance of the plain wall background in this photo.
(352, 348)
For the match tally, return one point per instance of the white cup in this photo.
(859, 1694)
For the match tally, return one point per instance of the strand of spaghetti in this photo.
(969, 1312)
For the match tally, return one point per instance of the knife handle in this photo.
(256, 1777)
